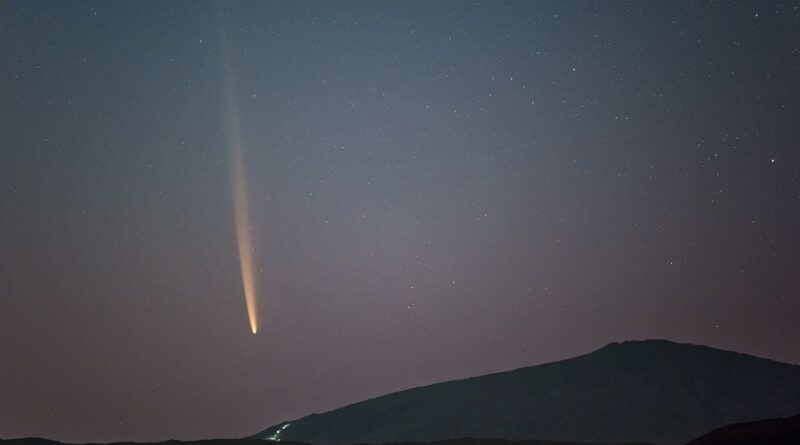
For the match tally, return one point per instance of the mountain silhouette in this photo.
(763, 432)
(652, 391)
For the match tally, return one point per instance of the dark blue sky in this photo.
(437, 189)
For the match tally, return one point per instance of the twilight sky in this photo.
(436, 190)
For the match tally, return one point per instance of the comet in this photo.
(238, 178)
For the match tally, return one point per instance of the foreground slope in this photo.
(476, 441)
(764, 432)
(40, 441)
(463, 441)
(650, 391)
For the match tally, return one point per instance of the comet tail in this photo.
(241, 210)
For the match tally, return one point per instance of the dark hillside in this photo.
(648, 391)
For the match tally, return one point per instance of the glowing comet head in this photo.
(241, 210)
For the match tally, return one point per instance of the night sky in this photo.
(436, 190)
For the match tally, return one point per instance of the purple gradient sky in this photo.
(439, 190)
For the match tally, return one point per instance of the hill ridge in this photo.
(536, 402)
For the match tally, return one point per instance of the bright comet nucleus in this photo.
(241, 209)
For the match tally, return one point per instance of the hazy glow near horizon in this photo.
(241, 210)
